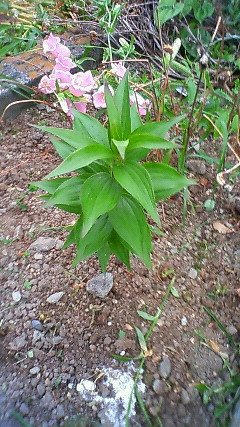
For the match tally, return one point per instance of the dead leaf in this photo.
(221, 228)
(214, 346)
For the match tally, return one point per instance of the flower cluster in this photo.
(76, 90)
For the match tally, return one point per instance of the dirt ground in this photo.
(48, 349)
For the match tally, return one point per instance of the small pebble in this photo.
(54, 298)
(16, 296)
(35, 370)
(192, 273)
(165, 367)
(184, 321)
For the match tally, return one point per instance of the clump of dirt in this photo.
(48, 349)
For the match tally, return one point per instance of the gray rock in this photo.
(197, 166)
(101, 285)
(36, 324)
(24, 409)
(165, 367)
(35, 370)
(54, 298)
(158, 386)
(43, 244)
(185, 398)
(37, 335)
(18, 234)
(16, 296)
(18, 343)
(192, 273)
(184, 321)
(48, 401)
(41, 389)
(231, 330)
(59, 412)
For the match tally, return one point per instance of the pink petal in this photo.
(81, 106)
(47, 85)
(64, 63)
(50, 43)
(118, 69)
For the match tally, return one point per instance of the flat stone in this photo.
(16, 296)
(48, 401)
(43, 244)
(197, 166)
(36, 324)
(165, 367)
(60, 412)
(35, 370)
(24, 409)
(41, 389)
(192, 273)
(185, 398)
(55, 298)
(101, 285)
(231, 330)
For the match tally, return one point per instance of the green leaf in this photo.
(155, 129)
(122, 101)
(202, 11)
(121, 146)
(74, 138)
(129, 222)
(175, 292)
(61, 147)
(69, 208)
(209, 205)
(81, 158)
(201, 387)
(99, 194)
(134, 178)
(86, 125)
(166, 180)
(114, 115)
(166, 10)
(68, 192)
(103, 256)
(135, 117)
(93, 240)
(72, 236)
(141, 339)
(119, 248)
(145, 316)
(50, 185)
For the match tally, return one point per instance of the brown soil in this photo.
(81, 332)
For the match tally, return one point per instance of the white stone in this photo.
(16, 296)
(85, 386)
(54, 298)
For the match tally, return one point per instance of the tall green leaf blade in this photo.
(153, 130)
(122, 100)
(94, 239)
(61, 147)
(129, 221)
(134, 178)
(91, 127)
(68, 193)
(50, 185)
(119, 248)
(81, 158)
(74, 138)
(166, 180)
(114, 115)
(103, 255)
(99, 194)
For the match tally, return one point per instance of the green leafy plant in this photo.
(111, 191)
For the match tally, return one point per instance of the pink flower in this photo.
(47, 84)
(81, 83)
(80, 106)
(63, 78)
(64, 63)
(99, 97)
(142, 104)
(118, 69)
(52, 44)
